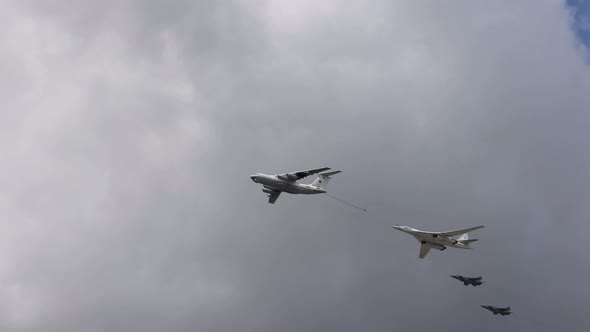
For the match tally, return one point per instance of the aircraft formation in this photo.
(275, 184)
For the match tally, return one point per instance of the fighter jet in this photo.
(274, 185)
(439, 240)
(501, 311)
(466, 281)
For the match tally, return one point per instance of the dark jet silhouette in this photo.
(501, 311)
(467, 281)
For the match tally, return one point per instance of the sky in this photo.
(581, 19)
(129, 130)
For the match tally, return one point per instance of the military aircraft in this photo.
(501, 311)
(274, 185)
(466, 280)
(439, 240)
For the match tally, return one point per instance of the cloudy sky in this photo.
(129, 129)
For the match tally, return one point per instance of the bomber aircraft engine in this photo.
(437, 246)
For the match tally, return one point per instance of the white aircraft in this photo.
(274, 185)
(439, 240)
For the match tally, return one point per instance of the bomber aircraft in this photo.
(467, 281)
(439, 240)
(501, 311)
(274, 185)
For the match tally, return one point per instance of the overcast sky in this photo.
(129, 129)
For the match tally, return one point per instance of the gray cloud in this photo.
(130, 128)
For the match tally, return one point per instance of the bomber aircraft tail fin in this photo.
(465, 239)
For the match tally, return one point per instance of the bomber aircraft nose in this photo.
(401, 228)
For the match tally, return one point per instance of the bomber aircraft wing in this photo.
(424, 249)
(452, 233)
(460, 231)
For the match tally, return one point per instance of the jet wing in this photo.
(272, 197)
(295, 176)
(460, 231)
(424, 249)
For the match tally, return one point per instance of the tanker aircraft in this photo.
(274, 185)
